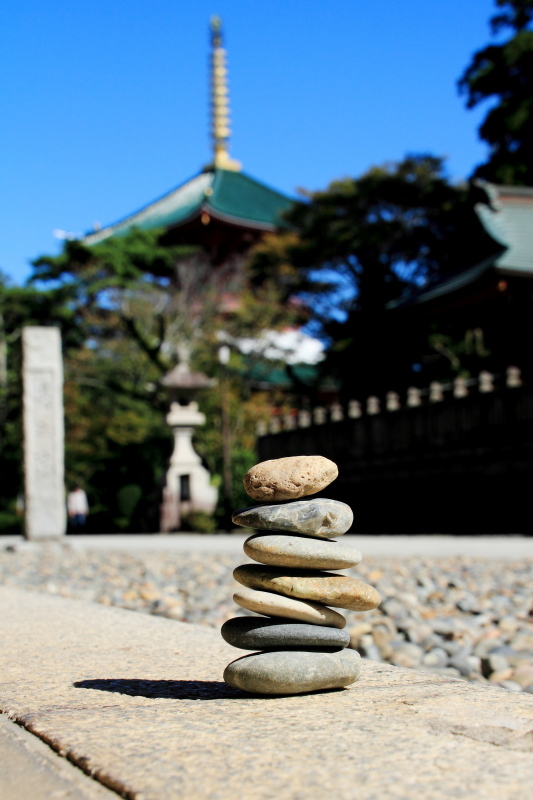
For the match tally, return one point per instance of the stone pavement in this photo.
(138, 703)
(509, 547)
(30, 770)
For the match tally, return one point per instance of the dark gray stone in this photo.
(256, 633)
(280, 550)
(320, 517)
(293, 672)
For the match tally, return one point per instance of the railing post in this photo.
(460, 389)
(275, 425)
(319, 415)
(336, 413)
(289, 422)
(354, 409)
(304, 419)
(261, 428)
(486, 382)
(436, 394)
(393, 401)
(413, 397)
(514, 378)
(372, 405)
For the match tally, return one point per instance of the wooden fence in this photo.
(453, 457)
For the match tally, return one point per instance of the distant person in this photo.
(78, 508)
(20, 506)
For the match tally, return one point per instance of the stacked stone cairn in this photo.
(301, 640)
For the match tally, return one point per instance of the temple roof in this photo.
(507, 217)
(226, 195)
(509, 220)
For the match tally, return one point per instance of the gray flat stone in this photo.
(276, 605)
(289, 478)
(258, 633)
(318, 517)
(300, 551)
(138, 702)
(339, 591)
(288, 672)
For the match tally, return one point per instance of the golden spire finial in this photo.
(220, 100)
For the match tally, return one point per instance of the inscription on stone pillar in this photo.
(44, 488)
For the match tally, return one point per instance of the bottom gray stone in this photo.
(293, 672)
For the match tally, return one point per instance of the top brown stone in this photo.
(289, 478)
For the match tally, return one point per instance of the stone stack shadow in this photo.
(302, 641)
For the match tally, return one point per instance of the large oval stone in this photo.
(276, 605)
(318, 517)
(340, 591)
(258, 633)
(293, 672)
(289, 478)
(300, 551)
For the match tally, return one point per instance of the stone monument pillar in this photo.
(188, 486)
(44, 438)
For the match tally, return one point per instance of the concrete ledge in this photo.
(29, 770)
(506, 547)
(138, 703)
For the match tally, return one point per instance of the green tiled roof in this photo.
(266, 375)
(230, 196)
(508, 219)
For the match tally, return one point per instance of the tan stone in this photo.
(382, 640)
(275, 605)
(300, 551)
(523, 675)
(502, 675)
(289, 478)
(357, 631)
(339, 591)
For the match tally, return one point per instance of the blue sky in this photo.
(106, 104)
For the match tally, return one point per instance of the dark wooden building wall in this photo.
(463, 465)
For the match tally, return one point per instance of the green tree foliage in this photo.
(503, 73)
(366, 242)
(133, 286)
(140, 307)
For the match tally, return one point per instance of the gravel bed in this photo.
(461, 617)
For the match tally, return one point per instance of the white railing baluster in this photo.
(354, 409)
(393, 401)
(486, 382)
(436, 394)
(513, 378)
(413, 397)
(372, 405)
(460, 388)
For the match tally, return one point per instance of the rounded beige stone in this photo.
(289, 478)
(340, 591)
(280, 550)
(276, 605)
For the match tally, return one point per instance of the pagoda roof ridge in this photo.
(230, 196)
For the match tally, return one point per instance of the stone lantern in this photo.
(188, 487)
